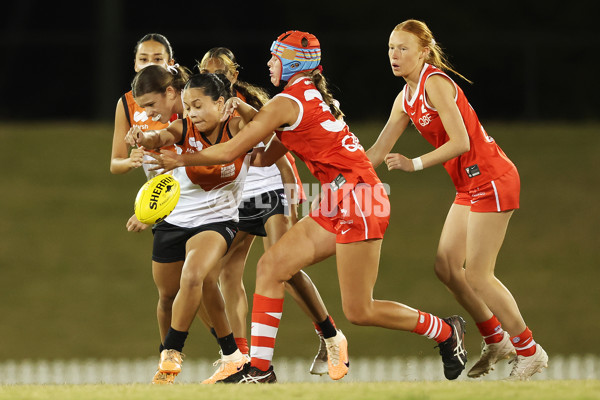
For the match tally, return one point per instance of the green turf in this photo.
(542, 390)
(75, 284)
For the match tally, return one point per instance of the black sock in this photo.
(214, 333)
(227, 344)
(175, 340)
(327, 328)
(161, 348)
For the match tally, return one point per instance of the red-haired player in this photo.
(487, 193)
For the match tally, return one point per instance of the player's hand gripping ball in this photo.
(157, 199)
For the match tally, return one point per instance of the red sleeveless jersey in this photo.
(301, 195)
(324, 143)
(484, 162)
(212, 176)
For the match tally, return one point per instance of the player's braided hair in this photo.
(321, 83)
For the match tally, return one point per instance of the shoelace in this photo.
(518, 367)
(219, 361)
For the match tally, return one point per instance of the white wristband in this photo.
(417, 164)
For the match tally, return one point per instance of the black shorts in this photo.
(255, 212)
(169, 240)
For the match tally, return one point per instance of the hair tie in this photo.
(320, 68)
(432, 43)
(173, 69)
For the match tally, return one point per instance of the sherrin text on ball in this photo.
(156, 199)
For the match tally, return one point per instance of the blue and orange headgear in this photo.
(298, 51)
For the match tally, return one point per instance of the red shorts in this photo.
(501, 194)
(362, 213)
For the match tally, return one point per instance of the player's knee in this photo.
(270, 266)
(192, 279)
(357, 314)
(477, 281)
(166, 299)
(441, 268)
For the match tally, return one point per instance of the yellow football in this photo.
(156, 199)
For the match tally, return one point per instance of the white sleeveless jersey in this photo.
(261, 179)
(208, 194)
(197, 206)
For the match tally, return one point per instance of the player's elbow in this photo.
(114, 169)
(462, 146)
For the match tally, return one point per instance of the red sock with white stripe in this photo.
(491, 330)
(266, 314)
(524, 343)
(433, 327)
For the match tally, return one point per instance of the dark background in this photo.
(529, 60)
(74, 283)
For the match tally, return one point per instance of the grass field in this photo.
(547, 390)
(75, 284)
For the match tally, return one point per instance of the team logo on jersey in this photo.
(351, 143)
(140, 116)
(425, 120)
(195, 144)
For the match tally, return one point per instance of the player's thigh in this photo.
(233, 263)
(485, 235)
(306, 243)
(358, 266)
(167, 277)
(276, 226)
(204, 252)
(452, 247)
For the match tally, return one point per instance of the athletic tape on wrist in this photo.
(417, 164)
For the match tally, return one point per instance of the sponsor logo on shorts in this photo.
(475, 195)
(230, 232)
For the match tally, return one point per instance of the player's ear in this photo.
(171, 93)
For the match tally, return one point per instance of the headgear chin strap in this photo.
(298, 51)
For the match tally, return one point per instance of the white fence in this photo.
(287, 370)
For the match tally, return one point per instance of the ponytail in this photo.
(156, 79)
(321, 83)
(436, 56)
